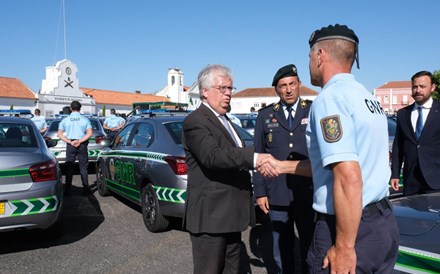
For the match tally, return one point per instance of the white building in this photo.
(60, 88)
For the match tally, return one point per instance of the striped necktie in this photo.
(228, 128)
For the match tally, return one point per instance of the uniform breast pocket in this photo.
(273, 138)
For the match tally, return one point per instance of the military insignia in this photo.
(276, 107)
(304, 121)
(303, 104)
(272, 125)
(331, 128)
(269, 137)
(267, 121)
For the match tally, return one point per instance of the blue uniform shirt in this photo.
(113, 121)
(75, 126)
(346, 123)
(39, 121)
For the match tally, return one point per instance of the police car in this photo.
(146, 165)
(31, 194)
(96, 142)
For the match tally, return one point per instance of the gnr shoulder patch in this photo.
(331, 128)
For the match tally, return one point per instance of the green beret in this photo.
(286, 71)
(333, 32)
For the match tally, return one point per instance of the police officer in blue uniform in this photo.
(280, 131)
(76, 131)
(39, 121)
(347, 138)
(112, 124)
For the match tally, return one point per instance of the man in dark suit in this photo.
(287, 198)
(219, 201)
(417, 140)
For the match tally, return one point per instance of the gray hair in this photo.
(209, 73)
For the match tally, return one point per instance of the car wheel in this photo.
(100, 183)
(153, 218)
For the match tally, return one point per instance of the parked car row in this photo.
(145, 164)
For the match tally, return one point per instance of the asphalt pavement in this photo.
(107, 235)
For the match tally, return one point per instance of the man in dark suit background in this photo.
(286, 198)
(219, 201)
(417, 140)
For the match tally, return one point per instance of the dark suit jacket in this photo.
(423, 153)
(272, 135)
(219, 196)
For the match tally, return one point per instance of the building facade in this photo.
(393, 96)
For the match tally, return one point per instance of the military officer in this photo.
(280, 131)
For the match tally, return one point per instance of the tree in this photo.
(103, 111)
(12, 107)
(436, 94)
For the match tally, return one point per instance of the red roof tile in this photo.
(121, 98)
(396, 84)
(270, 92)
(15, 88)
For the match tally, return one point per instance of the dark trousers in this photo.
(216, 253)
(376, 246)
(83, 160)
(283, 234)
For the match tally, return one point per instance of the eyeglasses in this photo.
(223, 89)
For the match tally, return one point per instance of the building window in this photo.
(257, 104)
(405, 100)
(394, 99)
(385, 99)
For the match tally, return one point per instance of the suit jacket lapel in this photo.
(431, 118)
(409, 123)
(216, 122)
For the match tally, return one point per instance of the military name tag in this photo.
(272, 125)
(304, 121)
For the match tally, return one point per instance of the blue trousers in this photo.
(83, 159)
(283, 234)
(376, 246)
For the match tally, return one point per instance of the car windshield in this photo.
(17, 135)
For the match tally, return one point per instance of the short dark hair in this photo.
(112, 111)
(37, 111)
(423, 73)
(75, 105)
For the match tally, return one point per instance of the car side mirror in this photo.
(51, 142)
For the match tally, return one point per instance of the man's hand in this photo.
(263, 203)
(395, 184)
(268, 166)
(340, 260)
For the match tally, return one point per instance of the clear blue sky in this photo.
(129, 45)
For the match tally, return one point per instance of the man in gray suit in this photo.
(219, 201)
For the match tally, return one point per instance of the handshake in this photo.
(268, 166)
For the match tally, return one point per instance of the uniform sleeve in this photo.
(335, 131)
(258, 180)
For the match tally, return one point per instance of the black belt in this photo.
(373, 208)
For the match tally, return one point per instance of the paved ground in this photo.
(107, 235)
